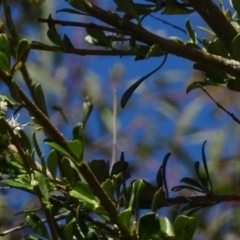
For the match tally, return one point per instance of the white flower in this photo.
(3, 107)
(14, 124)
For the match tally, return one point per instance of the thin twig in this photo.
(84, 25)
(174, 26)
(220, 106)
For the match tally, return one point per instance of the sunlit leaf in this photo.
(82, 192)
(15, 184)
(167, 227)
(124, 219)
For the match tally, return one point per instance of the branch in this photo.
(215, 20)
(204, 199)
(84, 25)
(77, 51)
(170, 46)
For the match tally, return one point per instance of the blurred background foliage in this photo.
(159, 118)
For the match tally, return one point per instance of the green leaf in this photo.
(97, 37)
(164, 167)
(192, 182)
(77, 132)
(5, 48)
(191, 34)
(66, 43)
(15, 184)
(126, 96)
(184, 227)
(24, 140)
(207, 31)
(148, 226)
(76, 147)
(69, 10)
(167, 227)
(10, 25)
(100, 169)
(176, 39)
(159, 200)
(35, 143)
(216, 47)
(205, 166)
(235, 47)
(68, 231)
(124, 220)
(181, 187)
(87, 109)
(40, 99)
(52, 163)
(11, 168)
(236, 5)
(119, 167)
(70, 171)
(174, 7)
(4, 64)
(39, 153)
(52, 33)
(108, 187)
(155, 50)
(35, 223)
(128, 7)
(23, 49)
(78, 5)
(14, 90)
(43, 186)
(136, 188)
(82, 192)
(57, 147)
(196, 85)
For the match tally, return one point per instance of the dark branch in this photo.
(170, 46)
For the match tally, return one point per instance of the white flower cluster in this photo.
(11, 121)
